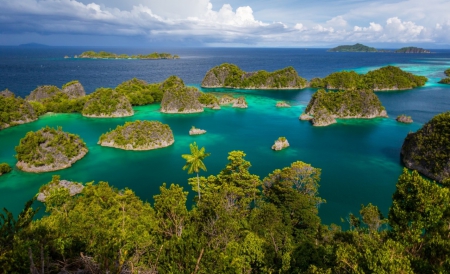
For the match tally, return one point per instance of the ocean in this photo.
(360, 159)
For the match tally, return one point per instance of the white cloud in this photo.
(337, 21)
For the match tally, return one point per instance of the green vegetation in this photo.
(447, 79)
(5, 168)
(412, 50)
(70, 83)
(353, 48)
(140, 92)
(109, 55)
(194, 161)
(241, 225)
(385, 78)
(178, 98)
(106, 102)
(48, 147)
(343, 104)
(231, 76)
(14, 111)
(404, 119)
(139, 135)
(428, 149)
(208, 99)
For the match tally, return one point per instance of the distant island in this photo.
(231, 76)
(363, 48)
(49, 149)
(34, 45)
(382, 79)
(138, 135)
(353, 48)
(324, 106)
(109, 55)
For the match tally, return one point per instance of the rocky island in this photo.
(280, 143)
(196, 131)
(139, 92)
(14, 110)
(107, 103)
(382, 79)
(353, 48)
(412, 50)
(71, 98)
(325, 107)
(49, 149)
(428, 149)
(109, 55)
(282, 104)
(178, 98)
(72, 188)
(231, 76)
(4, 168)
(138, 135)
(447, 79)
(404, 119)
(208, 100)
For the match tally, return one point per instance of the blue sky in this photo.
(252, 23)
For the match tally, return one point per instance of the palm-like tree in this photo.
(194, 162)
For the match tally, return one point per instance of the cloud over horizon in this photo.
(198, 21)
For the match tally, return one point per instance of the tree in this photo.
(194, 162)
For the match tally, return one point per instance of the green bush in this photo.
(105, 101)
(4, 168)
(139, 92)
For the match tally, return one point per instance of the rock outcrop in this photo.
(226, 100)
(240, 102)
(43, 92)
(305, 117)
(74, 89)
(404, 119)
(196, 131)
(178, 98)
(49, 149)
(107, 103)
(231, 76)
(138, 135)
(6, 93)
(282, 104)
(326, 106)
(428, 149)
(72, 187)
(280, 143)
(208, 100)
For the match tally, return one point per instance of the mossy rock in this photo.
(49, 149)
(138, 135)
(107, 103)
(178, 98)
(73, 89)
(43, 92)
(428, 149)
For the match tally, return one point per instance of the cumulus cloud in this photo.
(199, 20)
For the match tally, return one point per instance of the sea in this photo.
(359, 158)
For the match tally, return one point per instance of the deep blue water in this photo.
(359, 158)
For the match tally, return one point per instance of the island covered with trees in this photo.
(363, 48)
(447, 79)
(382, 79)
(325, 106)
(107, 103)
(14, 110)
(231, 76)
(4, 168)
(179, 98)
(49, 149)
(108, 55)
(138, 135)
(428, 149)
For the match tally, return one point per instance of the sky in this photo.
(226, 23)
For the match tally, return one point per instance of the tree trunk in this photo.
(198, 186)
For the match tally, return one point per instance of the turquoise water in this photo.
(360, 159)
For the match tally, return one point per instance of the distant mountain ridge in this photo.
(34, 45)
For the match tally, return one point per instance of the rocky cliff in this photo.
(428, 149)
(72, 188)
(43, 92)
(280, 143)
(49, 149)
(344, 104)
(231, 76)
(74, 89)
(404, 119)
(178, 98)
(138, 135)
